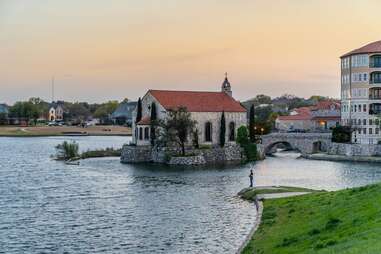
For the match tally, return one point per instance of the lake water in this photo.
(103, 206)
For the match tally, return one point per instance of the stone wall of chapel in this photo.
(202, 118)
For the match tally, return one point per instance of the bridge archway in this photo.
(272, 148)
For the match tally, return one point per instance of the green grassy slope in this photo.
(347, 221)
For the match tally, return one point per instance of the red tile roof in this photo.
(146, 120)
(302, 113)
(197, 101)
(327, 105)
(374, 47)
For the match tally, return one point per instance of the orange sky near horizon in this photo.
(103, 50)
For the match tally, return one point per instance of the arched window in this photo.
(146, 133)
(231, 131)
(208, 132)
(141, 133)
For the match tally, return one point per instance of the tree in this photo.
(222, 129)
(106, 109)
(3, 118)
(242, 136)
(176, 128)
(341, 134)
(153, 123)
(78, 111)
(195, 138)
(139, 111)
(252, 123)
(24, 109)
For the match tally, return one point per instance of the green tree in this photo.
(195, 138)
(106, 109)
(153, 123)
(25, 109)
(222, 129)
(139, 111)
(176, 128)
(242, 136)
(252, 123)
(3, 118)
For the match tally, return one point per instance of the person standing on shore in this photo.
(251, 176)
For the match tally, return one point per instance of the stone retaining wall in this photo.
(354, 149)
(135, 154)
(189, 160)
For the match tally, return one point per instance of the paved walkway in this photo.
(280, 195)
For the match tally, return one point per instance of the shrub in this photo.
(242, 136)
(67, 151)
(341, 134)
(250, 151)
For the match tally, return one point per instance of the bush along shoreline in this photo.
(69, 151)
(344, 221)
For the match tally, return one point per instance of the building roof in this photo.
(3, 108)
(303, 113)
(124, 109)
(146, 120)
(374, 47)
(308, 113)
(327, 105)
(197, 101)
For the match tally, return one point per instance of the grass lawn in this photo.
(347, 221)
(251, 193)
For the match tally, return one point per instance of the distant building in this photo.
(56, 111)
(123, 114)
(361, 92)
(4, 111)
(205, 107)
(322, 117)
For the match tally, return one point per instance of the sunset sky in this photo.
(103, 50)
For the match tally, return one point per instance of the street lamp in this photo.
(262, 131)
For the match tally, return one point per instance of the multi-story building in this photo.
(361, 93)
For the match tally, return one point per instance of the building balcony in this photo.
(375, 93)
(375, 61)
(375, 109)
(375, 77)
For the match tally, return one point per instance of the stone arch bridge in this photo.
(305, 143)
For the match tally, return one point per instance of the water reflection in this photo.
(103, 206)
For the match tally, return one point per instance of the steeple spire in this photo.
(226, 86)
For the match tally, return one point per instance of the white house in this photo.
(56, 112)
(205, 107)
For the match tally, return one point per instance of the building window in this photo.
(208, 132)
(377, 130)
(377, 122)
(370, 122)
(355, 108)
(370, 130)
(140, 133)
(359, 130)
(359, 121)
(231, 131)
(146, 133)
(364, 130)
(364, 122)
(364, 107)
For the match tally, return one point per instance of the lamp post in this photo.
(262, 131)
(255, 132)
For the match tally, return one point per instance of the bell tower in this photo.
(226, 86)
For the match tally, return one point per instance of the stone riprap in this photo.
(135, 154)
(188, 160)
